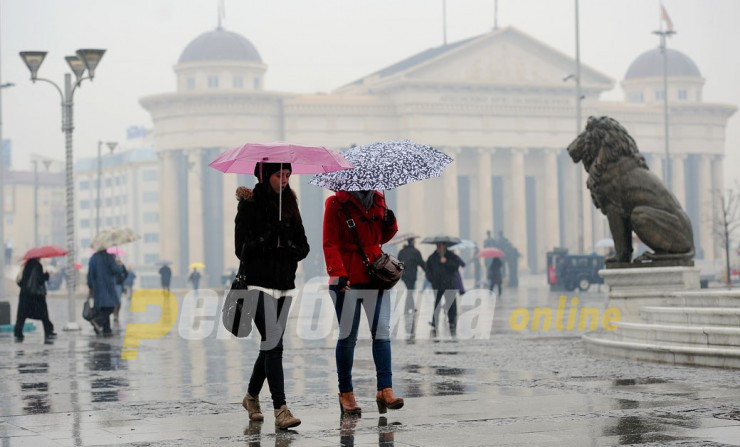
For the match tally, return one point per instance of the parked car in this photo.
(570, 272)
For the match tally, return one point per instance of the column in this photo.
(705, 206)
(679, 181)
(451, 214)
(195, 210)
(718, 187)
(483, 205)
(414, 220)
(516, 221)
(570, 205)
(230, 204)
(655, 161)
(551, 220)
(169, 224)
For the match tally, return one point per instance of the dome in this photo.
(218, 45)
(650, 64)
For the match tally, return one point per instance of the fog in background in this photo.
(318, 45)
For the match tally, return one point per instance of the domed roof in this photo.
(650, 64)
(218, 45)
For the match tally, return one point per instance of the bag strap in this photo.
(353, 229)
(241, 263)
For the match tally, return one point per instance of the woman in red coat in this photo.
(350, 287)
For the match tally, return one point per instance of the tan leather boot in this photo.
(252, 405)
(347, 403)
(284, 419)
(386, 400)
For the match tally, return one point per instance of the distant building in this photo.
(129, 197)
(7, 154)
(495, 102)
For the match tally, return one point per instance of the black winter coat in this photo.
(412, 260)
(30, 303)
(257, 231)
(442, 276)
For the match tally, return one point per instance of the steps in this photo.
(697, 327)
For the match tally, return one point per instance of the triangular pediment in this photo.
(502, 57)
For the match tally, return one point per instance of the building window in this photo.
(191, 83)
(108, 182)
(659, 95)
(150, 175)
(238, 82)
(212, 81)
(84, 184)
(151, 237)
(683, 94)
(636, 97)
(9, 219)
(85, 242)
(256, 83)
(85, 223)
(150, 196)
(108, 202)
(109, 221)
(84, 204)
(151, 258)
(151, 217)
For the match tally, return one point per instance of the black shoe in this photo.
(107, 334)
(19, 338)
(51, 336)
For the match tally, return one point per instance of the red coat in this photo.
(340, 251)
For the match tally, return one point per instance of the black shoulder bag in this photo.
(239, 308)
(386, 271)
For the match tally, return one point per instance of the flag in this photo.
(665, 18)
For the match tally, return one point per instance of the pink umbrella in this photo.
(46, 251)
(490, 253)
(116, 251)
(303, 160)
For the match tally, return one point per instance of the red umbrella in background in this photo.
(490, 253)
(46, 251)
(78, 266)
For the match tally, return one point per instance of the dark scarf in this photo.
(366, 198)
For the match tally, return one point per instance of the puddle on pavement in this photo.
(638, 381)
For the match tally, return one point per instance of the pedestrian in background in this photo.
(495, 274)
(412, 261)
(194, 278)
(101, 280)
(32, 299)
(120, 280)
(442, 271)
(165, 276)
(366, 213)
(269, 248)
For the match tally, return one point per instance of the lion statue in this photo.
(630, 196)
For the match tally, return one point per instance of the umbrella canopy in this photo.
(116, 251)
(400, 238)
(113, 237)
(605, 243)
(465, 243)
(197, 265)
(441, 239)
(303, 159)
(385, 165)
(490, 253)
(46, 251)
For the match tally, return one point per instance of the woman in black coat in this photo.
(32, 299)
(442, 267)
(269, 247)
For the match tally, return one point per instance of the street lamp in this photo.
(84, 59)
(667, 171)
(111, 145)
(35, 163)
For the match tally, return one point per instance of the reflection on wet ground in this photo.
(515, 388)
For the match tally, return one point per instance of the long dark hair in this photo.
(269, 199)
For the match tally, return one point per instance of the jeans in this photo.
(377, 306)
(270, 317)
(451, 307)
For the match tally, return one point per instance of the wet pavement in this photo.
(513, 388)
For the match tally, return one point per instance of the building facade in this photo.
(496, 103)
(129, 197)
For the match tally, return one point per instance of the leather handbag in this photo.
(238, 309)
(386, 270)
(88, 311)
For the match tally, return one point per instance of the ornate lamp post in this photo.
(84, 60)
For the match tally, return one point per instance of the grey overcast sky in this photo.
(318, 45)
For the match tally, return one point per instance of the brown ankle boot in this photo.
(284, 419)
(347, 403)
(385, 400)
(252, 405)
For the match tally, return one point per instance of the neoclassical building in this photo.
(496, 103)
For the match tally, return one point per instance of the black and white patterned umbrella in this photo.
(385, 165)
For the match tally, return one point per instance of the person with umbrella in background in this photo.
(194, 278)
(442, 271)
(269, 240)
(102, 271)
(495, 274)
(32, 298)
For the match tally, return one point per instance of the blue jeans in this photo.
(377, 306)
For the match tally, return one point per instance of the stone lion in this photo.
(630, 196)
